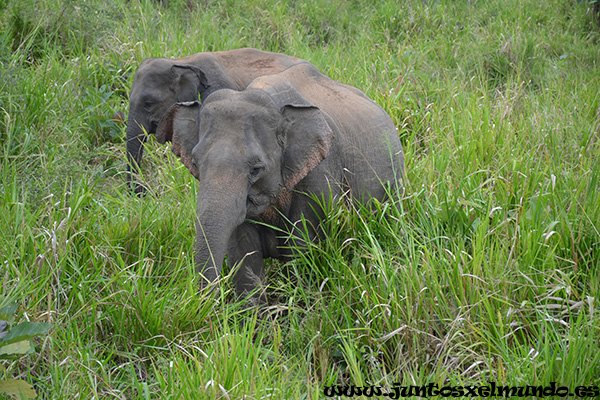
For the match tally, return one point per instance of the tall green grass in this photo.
(484, 269)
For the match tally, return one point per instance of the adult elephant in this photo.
(159, 83)
(262, 154)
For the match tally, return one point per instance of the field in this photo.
(484, 270)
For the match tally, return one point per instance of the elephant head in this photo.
(248, 149)
(158, 84)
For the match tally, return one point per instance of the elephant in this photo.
(263, 155)
(159, 83)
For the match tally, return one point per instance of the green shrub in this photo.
(15, 342)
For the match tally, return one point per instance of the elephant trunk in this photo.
(136, 137)
(220, 210)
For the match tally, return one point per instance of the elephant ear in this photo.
(180, 126)
(306, 134)
(189, 81)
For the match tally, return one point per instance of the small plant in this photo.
(15, 342)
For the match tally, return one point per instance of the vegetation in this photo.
(14, 343)
(484, 270)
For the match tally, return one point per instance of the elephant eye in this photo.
(256, 170)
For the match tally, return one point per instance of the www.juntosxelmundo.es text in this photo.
(492, 390)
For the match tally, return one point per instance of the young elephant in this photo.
(260, 153)
(159, 83)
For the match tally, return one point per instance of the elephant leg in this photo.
(245, 252)
(303, 222)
